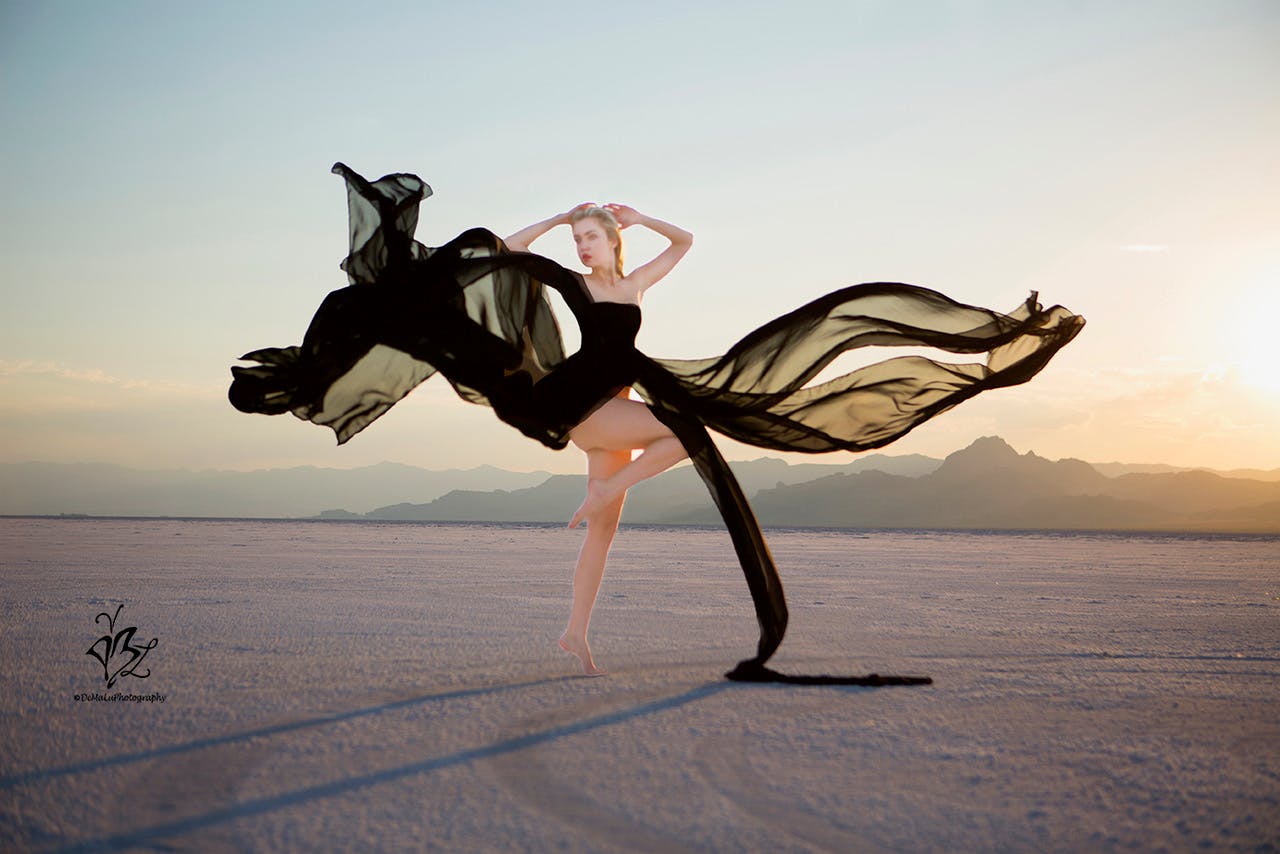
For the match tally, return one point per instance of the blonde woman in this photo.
(599, 376)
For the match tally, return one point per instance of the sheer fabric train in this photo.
(479, 315)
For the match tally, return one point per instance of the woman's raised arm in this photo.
(649, 274)
(519, 242)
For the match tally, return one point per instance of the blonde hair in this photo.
(611, 229)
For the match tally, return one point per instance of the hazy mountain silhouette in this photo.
(1117, 469)
(986, 485)
(40, 488)
(673, 497)
(990, 485)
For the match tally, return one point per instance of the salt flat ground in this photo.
(397, 687)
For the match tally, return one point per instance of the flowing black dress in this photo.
(478, 313)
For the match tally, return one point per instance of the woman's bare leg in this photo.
(601, 527)
(624, 424)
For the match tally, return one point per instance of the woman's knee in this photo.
(604, 522)
(617, 437)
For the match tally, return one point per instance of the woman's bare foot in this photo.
(597, 498)
(583, 652)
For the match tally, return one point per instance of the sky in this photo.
(169, 205)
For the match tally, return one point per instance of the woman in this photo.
(610, 433)
(476, 311)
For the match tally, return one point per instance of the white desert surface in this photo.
(397, 687)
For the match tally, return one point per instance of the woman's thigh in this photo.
(619, 425)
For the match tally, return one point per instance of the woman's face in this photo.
(592, 241)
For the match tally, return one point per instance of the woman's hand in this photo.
(624, 215)
(567, 217)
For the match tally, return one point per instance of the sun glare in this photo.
(1252, 348)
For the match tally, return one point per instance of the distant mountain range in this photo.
(990, 485)
(110, 490)
(673, 497)
(986, 485)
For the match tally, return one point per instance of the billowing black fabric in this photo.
(479, 314)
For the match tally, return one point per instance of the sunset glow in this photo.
(1254, 349)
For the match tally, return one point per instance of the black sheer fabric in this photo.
(479, 314)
